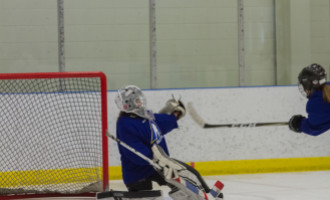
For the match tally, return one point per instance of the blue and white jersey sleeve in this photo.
(166, 122)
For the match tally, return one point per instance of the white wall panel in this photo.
(233, 105)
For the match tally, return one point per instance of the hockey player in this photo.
(313, 84)
(144, 131)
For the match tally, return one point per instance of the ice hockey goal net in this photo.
(52, 134)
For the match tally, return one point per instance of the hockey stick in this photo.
(151, 162)
(195, 116)
(178, 182)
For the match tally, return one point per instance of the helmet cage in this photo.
(130, 99)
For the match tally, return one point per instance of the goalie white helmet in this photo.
(130, 99)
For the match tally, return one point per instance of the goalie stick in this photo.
(177, 181)
(195, 116)
(151, 162)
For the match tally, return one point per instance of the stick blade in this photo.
(194, 115)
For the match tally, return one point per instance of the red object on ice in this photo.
(219, 185)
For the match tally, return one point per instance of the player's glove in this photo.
(294, 123)
(175, 107)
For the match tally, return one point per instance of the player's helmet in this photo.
(311, 78)
(130, 99)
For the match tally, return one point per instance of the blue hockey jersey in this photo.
(318, 120)
(141, 134)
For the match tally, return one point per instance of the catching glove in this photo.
(175, 107)
(294, 123)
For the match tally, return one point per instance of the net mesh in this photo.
(50, 136)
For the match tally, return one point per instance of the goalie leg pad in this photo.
(124, 195)
(187, 189)
(169, 166)
(176, 174)
(193, 175)
(178, 195)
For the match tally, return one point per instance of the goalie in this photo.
(145, 131)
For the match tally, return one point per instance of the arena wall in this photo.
(236, 150)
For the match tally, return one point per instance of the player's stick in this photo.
(195, 116)
(177, 182)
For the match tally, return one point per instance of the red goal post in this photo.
(53, 134)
